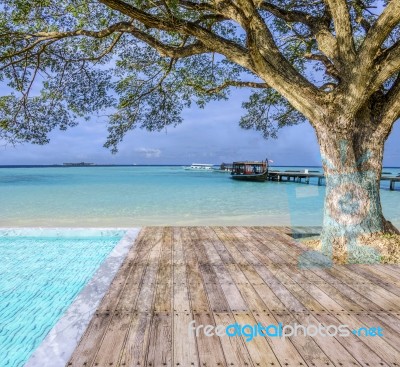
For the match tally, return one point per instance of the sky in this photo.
(209, 135)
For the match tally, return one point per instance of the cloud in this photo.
(209, 135)
(149, 153)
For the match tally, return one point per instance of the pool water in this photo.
(40, 275)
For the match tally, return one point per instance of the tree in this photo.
(150, 59)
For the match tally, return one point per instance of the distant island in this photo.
(80, 164)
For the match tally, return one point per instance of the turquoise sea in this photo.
(152, 195)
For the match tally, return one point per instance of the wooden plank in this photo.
(291, 303)
(167, 247)
(343, 275)
(160, 343)
(223, 253)
(197, 247)
(361, 303)
(305, 345)
(390, 337)
(164, 278)
(230, 290)
(196, 290)
(241, 246)
(226, 239)
(129, 295)
(110, 300)
(378, 279)
(110, 348)
(260, 351)
(234, 348)
(178, 249)
(329, 345)
(309, 350)
(146, 294)
(152, 237)
(197, 293)
(184, 342)
(324, 299)
(359, 349)
(283, 349)
(208, 244)
(215, 294)
(189, 248)
(85, 352)
(386, 276)
(163, 297)
(311, 291)
(329, 320)
(376, 344)
(134, 351)
(378, 295)
(394, 267)
(180, 294)
(209, 348)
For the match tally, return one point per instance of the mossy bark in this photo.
(352, 164)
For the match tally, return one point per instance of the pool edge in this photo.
(58, 345)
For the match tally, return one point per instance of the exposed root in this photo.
(385, 248)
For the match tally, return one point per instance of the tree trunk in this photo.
(352, 165)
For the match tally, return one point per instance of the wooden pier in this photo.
(391, 179)
(295, 176)
(298, 176)
(244, 275)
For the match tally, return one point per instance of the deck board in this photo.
(244, 275)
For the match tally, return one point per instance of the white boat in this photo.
(200, 167)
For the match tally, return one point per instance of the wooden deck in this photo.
(223, 275)
(298, 176)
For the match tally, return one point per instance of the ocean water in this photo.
(168, 195)
(40, 275)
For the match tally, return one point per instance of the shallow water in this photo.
(134, 196)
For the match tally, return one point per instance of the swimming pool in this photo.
(41, 273)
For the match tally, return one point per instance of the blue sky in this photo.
(210, 135)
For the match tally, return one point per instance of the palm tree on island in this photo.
(148, 60)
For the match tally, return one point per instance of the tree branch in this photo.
(212, 41)
(360, 19)
(378, 33)
(330, 68)
(41, 37)
(275, 69)
(231, 83)
(390, 111)
(319, 27)
(388, 64)
(167, 50)
(343, 29)
(290, 16)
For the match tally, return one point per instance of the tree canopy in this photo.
(142, 62)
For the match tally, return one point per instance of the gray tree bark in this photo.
(352, 162)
